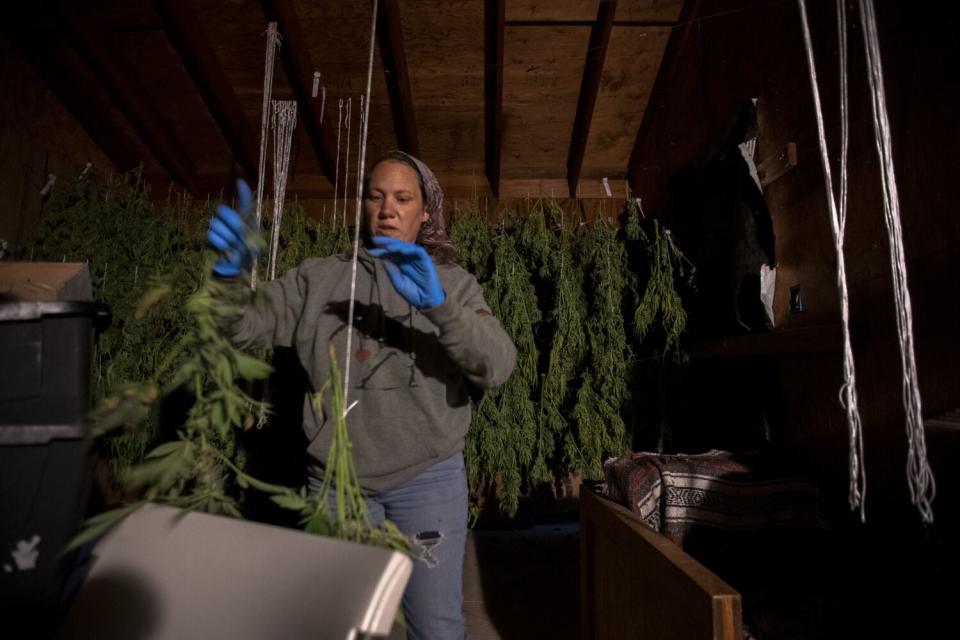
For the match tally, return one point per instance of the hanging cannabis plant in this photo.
(502, 438)
(600, 427)
(473, 238)
(665, 264)
(568, 348)
(659, 324)
(126, 241)
(547, 244)
(302, 238)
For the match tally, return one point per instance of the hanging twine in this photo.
(284, 121)
(365, 112)
(848, 392)
(346, 162)
(273, 43)
(919, 475)
(336, 172)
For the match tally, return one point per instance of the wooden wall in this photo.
(731, 51)
(727, 52)
(38, 137)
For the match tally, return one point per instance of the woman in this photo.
(421, 331)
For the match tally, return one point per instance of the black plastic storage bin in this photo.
(45, 455)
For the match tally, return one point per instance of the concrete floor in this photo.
(521, 583)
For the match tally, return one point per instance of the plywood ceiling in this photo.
(186, 77)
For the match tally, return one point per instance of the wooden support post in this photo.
(49, 58)
(131, 98)
(589, 88)
(394, 57)
(777, 165)
(494, 15)
(197, 55)
(299, 68)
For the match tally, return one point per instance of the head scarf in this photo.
(432, 193)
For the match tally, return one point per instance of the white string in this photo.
(360, 145)
(273, 43)
(848, 392)
(365, 112)
(336, 173)
(284, 121)
(346, 161)
(919, 475)
(844, 112)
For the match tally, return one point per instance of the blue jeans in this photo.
(431, 510)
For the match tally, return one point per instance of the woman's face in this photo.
(394, 204)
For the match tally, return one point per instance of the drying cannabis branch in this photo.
(568, 348)
(660, 299)
(127, 242)
(504, 429)
(600, 428)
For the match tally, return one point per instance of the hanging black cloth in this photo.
(720, 220)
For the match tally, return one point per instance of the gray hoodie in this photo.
(408, 369)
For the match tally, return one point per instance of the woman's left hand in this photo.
(411, 271)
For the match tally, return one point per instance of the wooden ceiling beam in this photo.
(131, 98)
(199, 59)
(394, 57)
(590, 23)
(299, 68)
(50, 60)
(494, 27)
(589, 88)
(686, 27)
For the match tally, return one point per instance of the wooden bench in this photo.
(634, 583)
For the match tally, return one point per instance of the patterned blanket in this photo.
(689, 496)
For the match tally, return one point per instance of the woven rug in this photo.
(684, 496)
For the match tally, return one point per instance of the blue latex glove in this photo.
(411, 271)
(228, 233)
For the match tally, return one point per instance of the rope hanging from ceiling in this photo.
(364, 120)
(336, 171)
(919, 475)
(272, 44)
(284, 121)
(346, 161)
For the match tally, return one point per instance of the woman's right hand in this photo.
(228, 235)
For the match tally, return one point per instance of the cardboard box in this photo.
(45, 281)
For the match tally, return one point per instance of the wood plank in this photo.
(445, 56)
(638, 584)
(71, 82)
(581, 10)
(394, 58)
(679, 40)
(338, 37)
(128, 93)
(45, 281)
(542, 71)
(191, 43)
(494, 30)
(149, 55)
(812, 339)
(589, 87)
(630, 69)
(298, 64)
